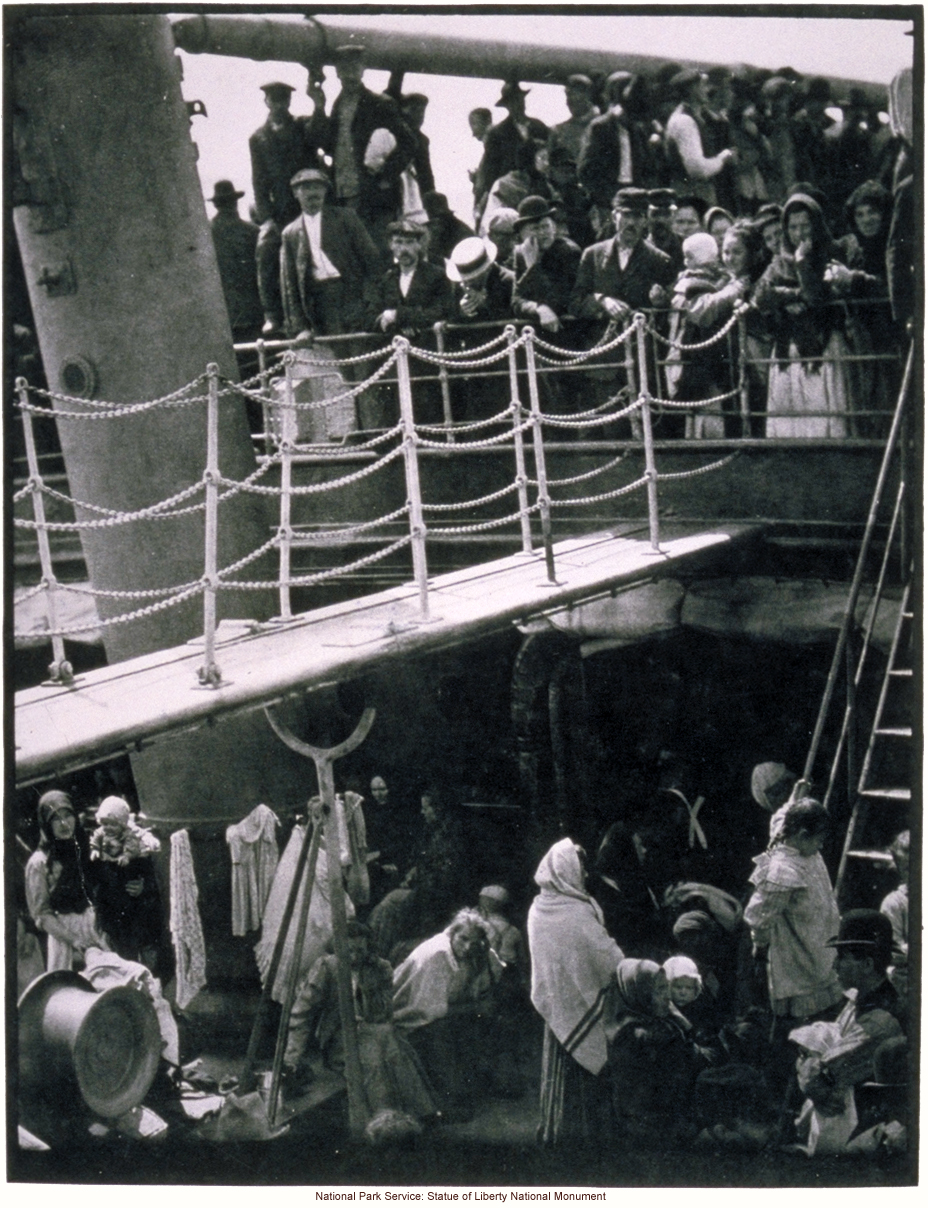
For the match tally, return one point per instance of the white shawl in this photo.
(574, 959)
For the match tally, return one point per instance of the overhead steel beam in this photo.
(311, 41)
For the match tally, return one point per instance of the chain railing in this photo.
(281, 365)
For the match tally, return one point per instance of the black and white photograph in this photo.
(463, 615)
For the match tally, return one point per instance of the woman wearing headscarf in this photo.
(573, 965)
(809, 393)
(870, 327)
(58, 891)
(652, 1063)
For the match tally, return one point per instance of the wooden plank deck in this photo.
(107, 711)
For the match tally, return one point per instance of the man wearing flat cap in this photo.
(662, 206)
(619, 276)
(326, 260)
(693, 167)
(278, 149)
(501, 142)
(367, 184)
(578, 93)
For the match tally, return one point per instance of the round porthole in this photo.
(78, 377)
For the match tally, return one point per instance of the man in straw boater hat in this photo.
(482, 294)
(278, 149)
(327, 259)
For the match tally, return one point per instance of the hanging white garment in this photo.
(253, 847)
(186, 928)
(318, 924)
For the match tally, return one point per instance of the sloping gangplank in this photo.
(108, 711)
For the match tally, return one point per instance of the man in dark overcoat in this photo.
(501, 142)
(279, 149)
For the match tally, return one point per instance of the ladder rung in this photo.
(894, 732)
(888, 794)
(907, 671)
(878, 857)
(907, 615)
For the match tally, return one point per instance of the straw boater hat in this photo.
(469, 259)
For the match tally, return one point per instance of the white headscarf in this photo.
(573, 957)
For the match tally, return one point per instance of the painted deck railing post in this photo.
(744, 388)
(60, 670)
(209, 674)
(287, 441)
(541, 475)
(411, 463)
(439, 329)
(649, 464)
(515, 403)
(261, 350)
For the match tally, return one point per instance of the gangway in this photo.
(104, 713)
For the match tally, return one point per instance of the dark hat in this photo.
(666, 72)
(511, 89)
(809, 190)
(277, 91)
(414, 98)
(348, 50)
(662, 199)
(775, 86)
(818, 89)
(789, 73)
(225, 191)
(891, 1063)
(405, 226)
(716, 75)
(868, 930)
(693, 203)
(469, 259)
(635, 200)
(682, 80)
(577, 80)
(435, 203)
(307, 174)
(531, 209)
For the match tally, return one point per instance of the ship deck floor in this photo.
(108, 710)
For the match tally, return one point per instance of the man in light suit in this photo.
(326, 260)
(619, 276)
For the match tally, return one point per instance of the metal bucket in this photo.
(108, 1044)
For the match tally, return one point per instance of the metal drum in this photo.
(107, 1044)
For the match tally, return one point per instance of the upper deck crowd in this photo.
(700, 195)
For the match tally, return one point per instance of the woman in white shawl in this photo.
(574, 961)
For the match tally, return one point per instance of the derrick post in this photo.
(439, 329)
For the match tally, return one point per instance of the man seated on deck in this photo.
(391, 1074)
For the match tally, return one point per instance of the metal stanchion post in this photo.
(650, 468)
(521, 478)
(634, 420)
(744, 392)
(60, 670)
(209, 674)
(411, 461)
(439, 329)
(287, 440)
(265, 406)
(544, 500)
